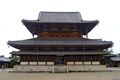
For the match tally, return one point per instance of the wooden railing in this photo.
(59, 34)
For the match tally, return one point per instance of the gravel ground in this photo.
(114, 75)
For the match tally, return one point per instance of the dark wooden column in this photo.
(91, 59)
(46, 63)
(83, 59)
(74, 62)
(37, 59)
(20, 60)
(28, 57)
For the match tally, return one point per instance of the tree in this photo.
(14, 59)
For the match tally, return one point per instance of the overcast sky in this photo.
(13, 11)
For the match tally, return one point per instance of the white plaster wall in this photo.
(24, 63)
(78, 63)
(50, 63)
(70, 63)
(96, 62)
(33, 63)
(87, 62)
(41, 63)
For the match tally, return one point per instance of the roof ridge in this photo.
(59, 12)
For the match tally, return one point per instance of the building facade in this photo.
(60, 38)
(4, 62)
(112, 60)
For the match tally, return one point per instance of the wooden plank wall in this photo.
(59, 34)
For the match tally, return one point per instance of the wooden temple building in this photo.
(112, 60)
(60, 39)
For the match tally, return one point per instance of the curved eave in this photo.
(35, 47)
(34, 26)
(35, 44)
(59, 52)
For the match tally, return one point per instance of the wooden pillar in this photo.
(20, 60)
(46, 63)
(74, 62)
(53, 69)
(91, 60)
(83, 59)
(82, 62)
(28, 60)
(37, 59)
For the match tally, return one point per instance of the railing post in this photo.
(53, 69)
(67, 69)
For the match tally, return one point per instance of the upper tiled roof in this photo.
(64, 17)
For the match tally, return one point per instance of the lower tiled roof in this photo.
(56, 41)
(117, 58)
(60, 52)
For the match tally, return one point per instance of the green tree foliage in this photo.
(14, 59)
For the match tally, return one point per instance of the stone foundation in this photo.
(70, 68)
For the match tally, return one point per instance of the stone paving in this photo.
(113, 75)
